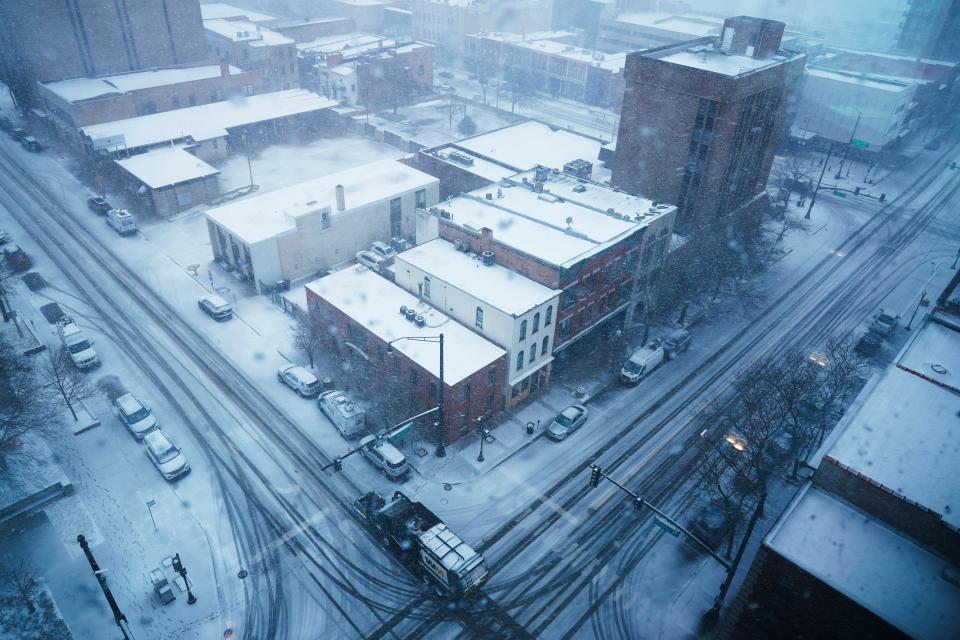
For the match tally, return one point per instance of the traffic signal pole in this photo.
(596, 473)
(118, 616)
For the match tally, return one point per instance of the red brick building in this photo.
(363, 311)
(602, 247)
(701, 120)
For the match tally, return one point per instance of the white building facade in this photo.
(503, 306)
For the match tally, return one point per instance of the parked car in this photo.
(641, 363)
(18, 134)
(676, 342)
(347, 417)
(168, 459)
(884, 323)
(299, 379)
(122, 221)
(77, 345)
(384, 456)
(98, 205)
(383, 250)
(215, 307)
(567, 421)
(17, 259)
(135, 416)
(31, 144)
(870, 343)
(371, 260)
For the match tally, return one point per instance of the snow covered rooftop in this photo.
(525, 145)
(874, 566)
(537, 223)
(374, 302)
(494, 284)
(707, 58)
(509, 36)
(270, 214)
(214, 10)
(905, 436)
(869, 81)
(610, 61)
(934, 353)
(246, 31)
(695, 26)
(473, 163)
(165, 167)
(356, 40)
(207, 121)
(80, 89)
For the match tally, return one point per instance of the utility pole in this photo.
(118, 617)
(813, 196)
(849, 144)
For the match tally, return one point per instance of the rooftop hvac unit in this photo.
(420, 321)
(445, 214)
(487, 258)
(411, 314)
(489, 196)
(403, 309)
(540, 174)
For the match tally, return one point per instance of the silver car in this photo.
(167, 458)
(135, 416)
(567, 421)
(215, 307)
(299, 379)
(371, 260)
(384, 456)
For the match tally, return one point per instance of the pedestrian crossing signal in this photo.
(595, 473)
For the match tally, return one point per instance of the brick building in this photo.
(52, 39)
(254, 47)
(366, 312)
(603, 248)
(701, 120)
(501, 305)
(367, 15)
(79, 102)
(871, 547)
(367, 69)
(312, 28)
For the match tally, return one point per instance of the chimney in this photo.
(341, 198)
(224, 68)
(486, 240)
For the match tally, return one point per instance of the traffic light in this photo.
(337, 464)
(595, 472)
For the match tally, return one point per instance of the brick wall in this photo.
(416, 388)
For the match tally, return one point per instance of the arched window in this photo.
(547, 319)
(536, 323)
(426, 286)
(519, 360)
(533, 352)
(523, 329)
(545, 348)
(479, 321)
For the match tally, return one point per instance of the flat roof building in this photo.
(295, 232)
(505, 307)
(701, 120)
(600, 246)
(169, 180)
(254, 47)
(367, 313)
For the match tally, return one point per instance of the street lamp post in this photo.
(480, 433)
(441, 449)
(179, 568)
(813, 196)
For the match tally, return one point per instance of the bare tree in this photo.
(18, 575)
(68, 384)
(308, 336)
(24, 403)
(483, 78)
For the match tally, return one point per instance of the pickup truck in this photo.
(76, 344)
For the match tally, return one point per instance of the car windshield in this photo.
(167, 453)
(632, 366)
(78, 347)
(138, 415)
(563, 420)
(397, 464)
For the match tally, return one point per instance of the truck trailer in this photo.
(424, 543)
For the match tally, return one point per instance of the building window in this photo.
(491, 376)
(324, 219)
(414, 377)
(519, 360)
(564, 328)
(523, 329)
(488, 406)
(175, 102)
(463, 422)
(515, 390)
(533, 352)
(548, 318)
(192, 100)
(569, 297)
(380, 352)
(479, 320)
(465, 393)
(433, 390)
(545, 347)
(420, 71)
(536, 323)
(426, 286)
(421, 198)
(216, 96)
(395, 211)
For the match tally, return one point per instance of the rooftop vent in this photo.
(489, 196)
(420, 321)
(487, 258)
(403, 309)
(411, 314)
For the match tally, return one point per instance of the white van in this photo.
(347, 417)
(384, 456)
(122, 221)
(75, 341)
(642, 362)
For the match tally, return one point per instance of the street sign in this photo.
(669, 527)
(859, 144)
(400, 432)
(840, 194)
